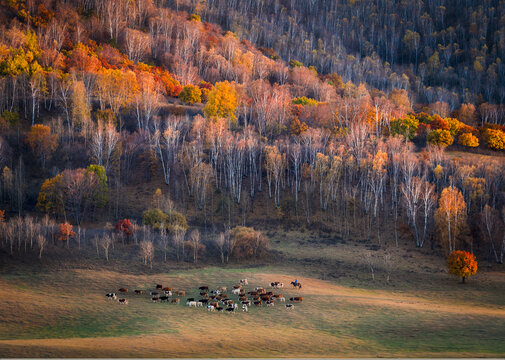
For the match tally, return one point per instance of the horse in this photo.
(298, 285)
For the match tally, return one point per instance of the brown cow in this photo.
(123, 301)
(175, 301)
(258, 303)
(123, 290)
(138, 292)
(203, 288)
(204, 294)
(180, 293)
(296, 299)
(167, 289)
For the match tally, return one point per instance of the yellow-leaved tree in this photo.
(222, 101)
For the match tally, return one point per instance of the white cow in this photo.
(235, 291)
(191, 303)
(245, 308)
(210, 308)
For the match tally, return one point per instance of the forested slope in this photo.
(104, 101)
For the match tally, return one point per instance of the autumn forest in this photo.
(187, 133)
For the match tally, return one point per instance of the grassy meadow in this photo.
(421, 312)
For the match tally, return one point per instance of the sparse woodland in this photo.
(191, 138)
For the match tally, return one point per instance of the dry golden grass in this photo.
(65, 313)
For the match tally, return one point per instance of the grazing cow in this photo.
(233, 306)
(242, 298)
(243, 282)
(290, 306)
(199, 304)
(210, 308)
(282, 299)
(191, 303)
(138, 292)
(235, 291)
(270, 303)
(265, 298)
(168, 293)
(258, 303)
(204, 301)
(190, 299)
(215, 304)
(256, 298)
(219, 308)
(175, 301)
(269, 293)
(245, 308)
(123, 290)
(247, 302)
(155, 299)
(167, 289)
(203, 288)
(237, 286)
(164, 298)
(260, 291)
(180, 293)
(111, 296)
(277, 285)
(296, 285)
(253, 293)
(203, 293)
(296, 299)
(123, 301)
(230, 310)
(154, 293)
(159, 286)
(222, 289)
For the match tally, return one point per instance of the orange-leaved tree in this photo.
(42, 142)
(450, 217)
(462, 264)
(65, 232)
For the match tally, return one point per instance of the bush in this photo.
(440, 137)
(305, 101)
(157, 218)
(154, 218)
(406, 126)
(248, 243)
(468, 139)
(495, 139)
(191, 94)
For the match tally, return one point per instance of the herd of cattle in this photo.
(218, 299)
